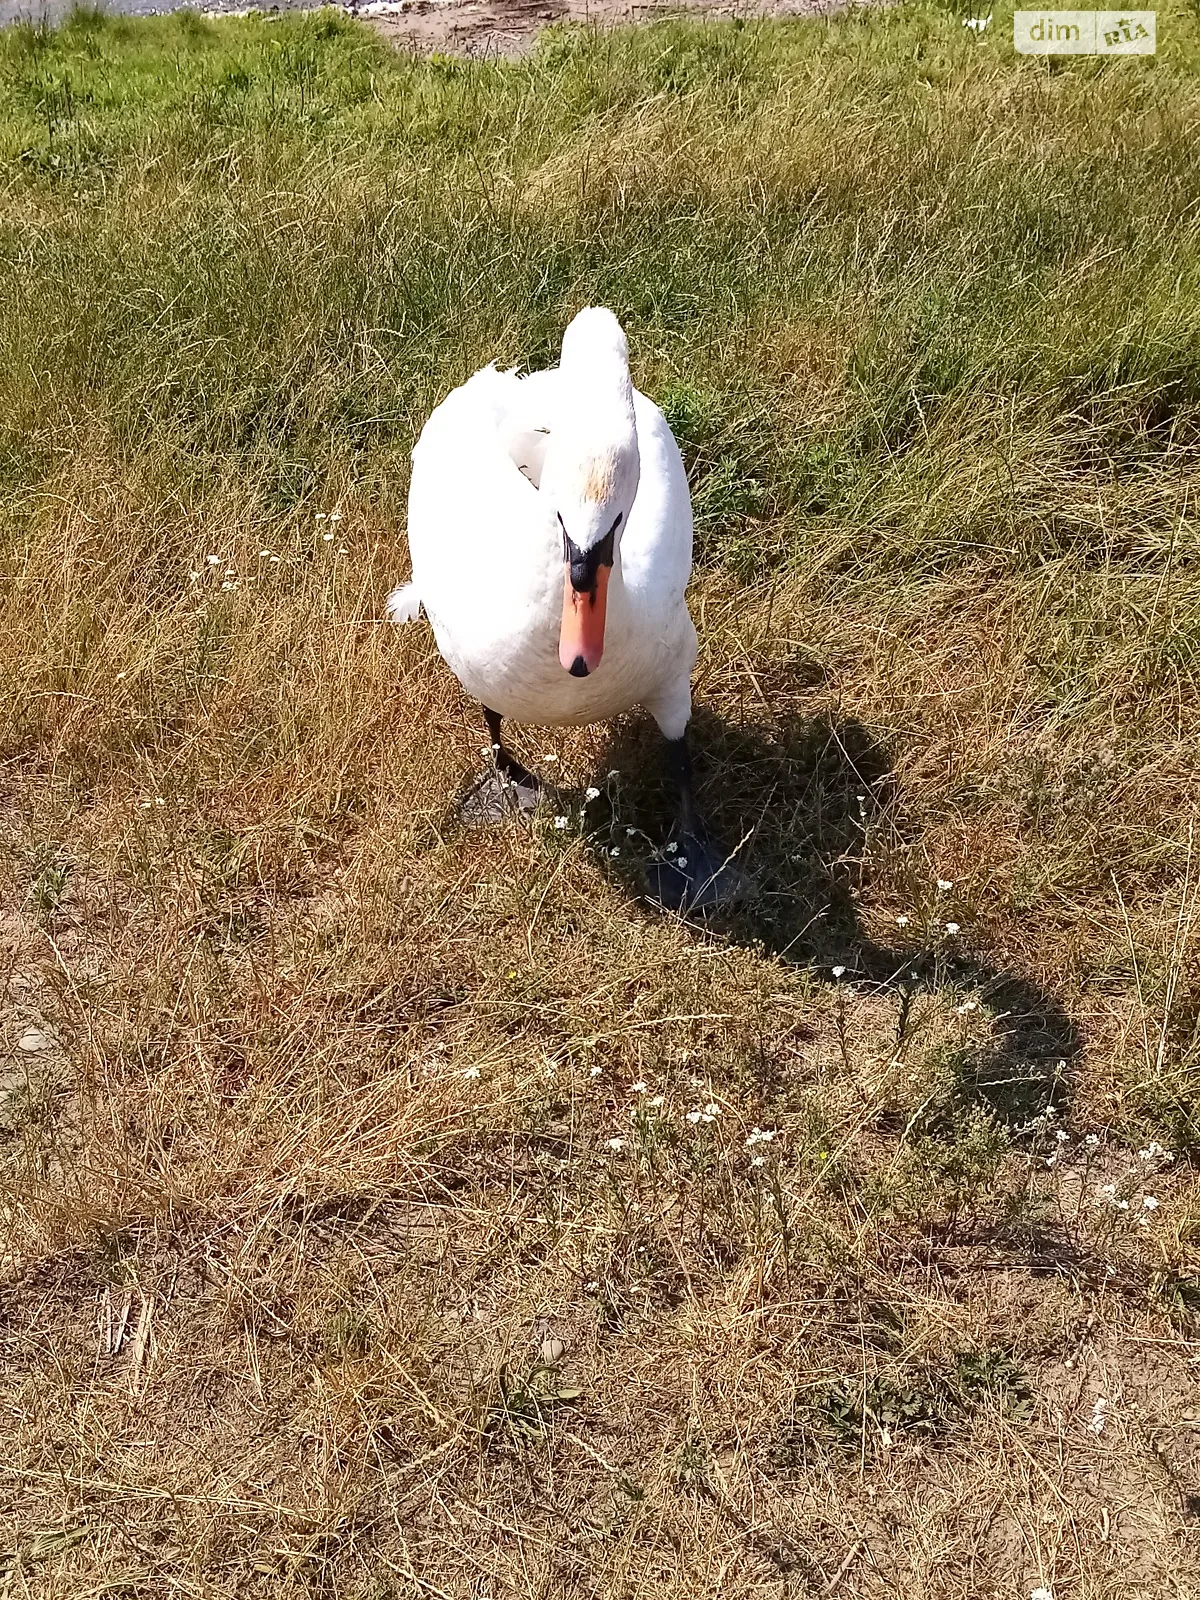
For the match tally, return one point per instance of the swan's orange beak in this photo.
(581, 642)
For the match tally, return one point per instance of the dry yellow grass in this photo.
(321, 1158)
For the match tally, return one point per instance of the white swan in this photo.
(550, 530)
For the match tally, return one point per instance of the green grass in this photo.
(926, 319)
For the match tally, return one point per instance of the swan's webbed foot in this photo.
(495, 796)
(507, 789)
(694, 874)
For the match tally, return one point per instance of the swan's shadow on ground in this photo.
(808, 796)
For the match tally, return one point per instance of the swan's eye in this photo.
(603, 552)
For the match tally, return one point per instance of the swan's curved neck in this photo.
(595, 366)
(598, 401)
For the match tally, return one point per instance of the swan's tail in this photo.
(404, 603)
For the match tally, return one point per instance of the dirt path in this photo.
(501, 28)
(506, 28)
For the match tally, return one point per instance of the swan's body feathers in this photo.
(404, 603)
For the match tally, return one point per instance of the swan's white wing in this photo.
(468, 502)
(487, 562)
(527, 447)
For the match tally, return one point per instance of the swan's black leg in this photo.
(506, 764)
(679, 769)
(505, 787)
(693, 873)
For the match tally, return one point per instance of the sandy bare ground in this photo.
(506, 28)
(476, 28)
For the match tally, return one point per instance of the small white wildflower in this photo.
(1041, 1594)
(658, 1100)
(212, 561)
(966, 1008)
(193, 576)
(671, 848)
(1062, 1135)
(595, 1072)
(263, 554)
(120, 675)
(340, 551)
(694, 1116)
(228, 585)
(681, 861)
(274, 561)
(902, 922)
(551, 757)
(944, 885)
(617, 1144)
(637, 1088)
(1091, 1140)
(758, 1161)
(591, 1287)
(1122, 1205)
(837, 971)
(629, 832)
(1149, 1202)
(1099, 1416)
(336, 516)
(562, 822)
(591, 793)
(159, 801)
(1107, 1191)
(712, 1109)
(1051, 1161)
(615, 851)
(470, 1072)
(952, 928)
(327, 538)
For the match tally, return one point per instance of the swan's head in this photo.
(590, 478)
